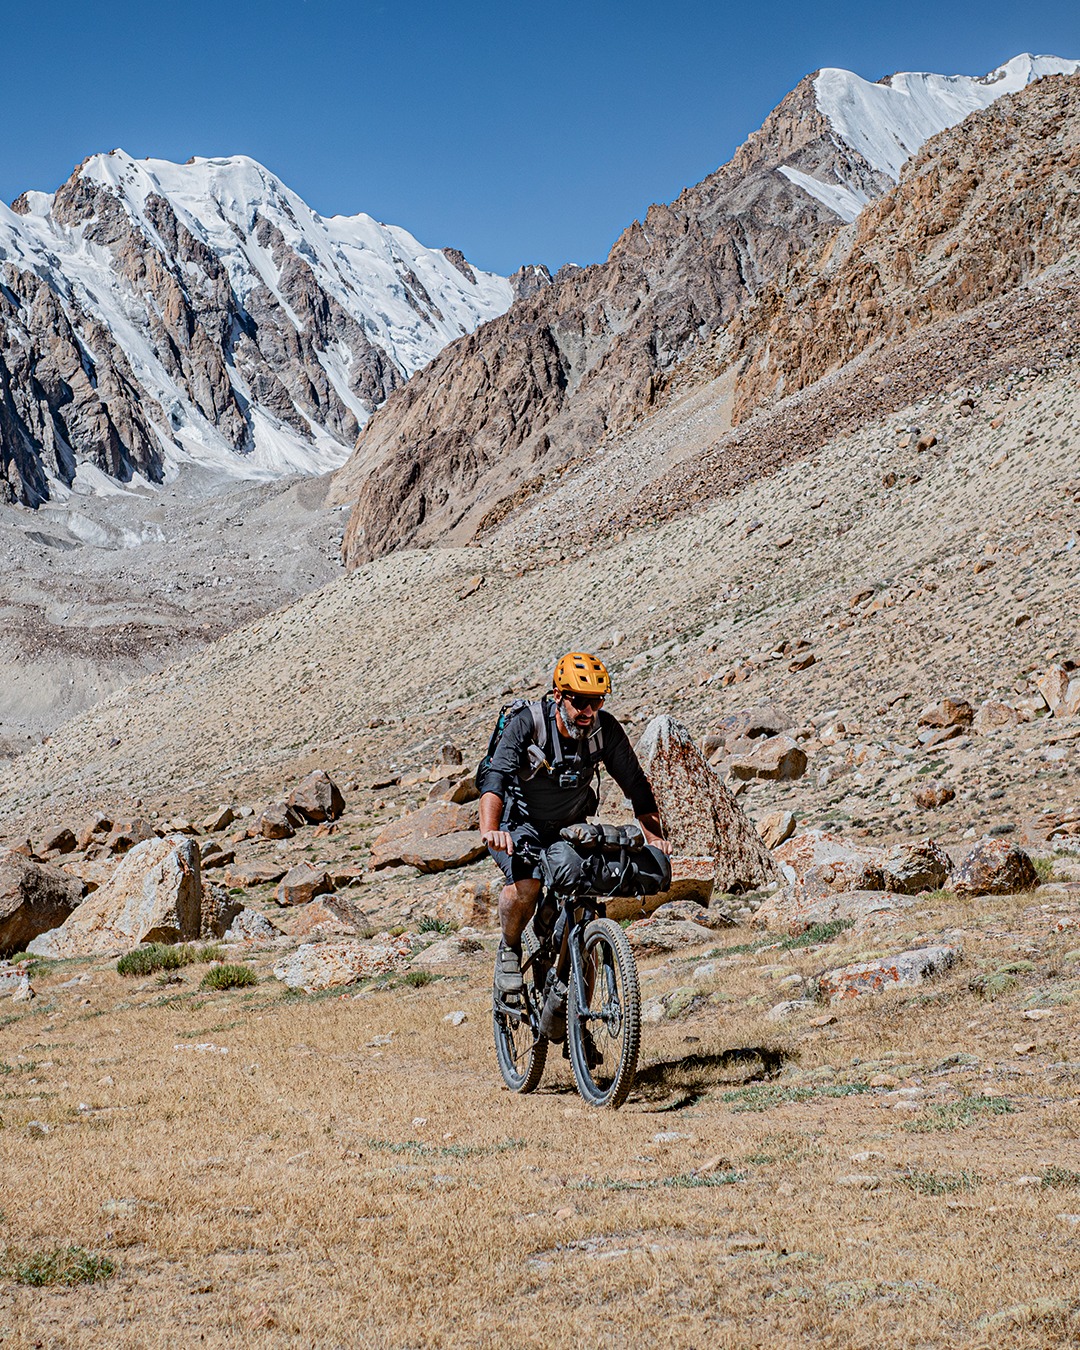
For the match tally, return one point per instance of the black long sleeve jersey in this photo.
(540, 798)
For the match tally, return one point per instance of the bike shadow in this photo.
(672, 1084)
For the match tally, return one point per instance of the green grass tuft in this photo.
(761, 1096)
(958, 1115)
(61, 1265)
(430, 924)
(165, 956)
(1060, 1178)
(939, 1183)
(229, 976)
(416, 979)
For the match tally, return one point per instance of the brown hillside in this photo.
(581, 359)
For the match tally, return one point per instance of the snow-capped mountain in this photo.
(152, 312)
(588, 356)
(885, 124)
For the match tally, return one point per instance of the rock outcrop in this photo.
(155, 895)
(701, 817)
(34, 897)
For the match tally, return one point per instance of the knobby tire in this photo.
(615, 992)
(520, 1053)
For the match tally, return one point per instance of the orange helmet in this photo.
(580, 673)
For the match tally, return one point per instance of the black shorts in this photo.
(540, 833)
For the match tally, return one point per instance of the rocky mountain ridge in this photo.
(573, 365)
(153, 312)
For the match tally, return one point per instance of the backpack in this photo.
(539, 711)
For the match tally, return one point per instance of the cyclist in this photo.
(540, 779)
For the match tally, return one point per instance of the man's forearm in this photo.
(491, 809)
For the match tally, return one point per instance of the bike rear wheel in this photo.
(521, 1051)
(612, 1017)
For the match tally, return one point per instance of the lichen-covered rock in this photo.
(327, 965)
(892, 972)
(994, 867)
(912, 868)
(819, 863)
(34, 897)
(701, 817)
(154, 895)
(791, 911)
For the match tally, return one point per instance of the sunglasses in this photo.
(583, 701)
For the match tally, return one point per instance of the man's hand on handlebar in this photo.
(650, 828)
(499, 840)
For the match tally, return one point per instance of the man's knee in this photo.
(518, 893)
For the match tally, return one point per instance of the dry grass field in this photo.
(262, 1168)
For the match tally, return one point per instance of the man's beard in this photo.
(573, 731)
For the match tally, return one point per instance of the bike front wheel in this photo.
(519, 1048)
(605, 1033)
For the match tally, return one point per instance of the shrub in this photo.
(229, 976)
(164, 956)
(430, 924)
(61, 1265)
(416, 979)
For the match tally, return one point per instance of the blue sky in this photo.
(517, 133)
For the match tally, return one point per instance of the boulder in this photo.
(776, 827)
(59, 840)
(460, 790)
(791, 911)
(220, 819)
(930, 795)
(15, 984)
(818, 864)
(471, 904)
(246, 875)
(330, 916)
(317, 797)
(994, 867)
(219, 909)
(125, 834)
(667, 935)
(912, 868)
(251, 926)
(301, 884)
(750, 724)
(34, 897)
(993, 715)
(950, 711)
(1061, 690)
(777, 759)
(701, 817)
(276, 822)
(446, 951)
(327, 965)
(92, 872)
(154, 895)
(432, 839)
(94, 830)
(893, 972)
(695, 913)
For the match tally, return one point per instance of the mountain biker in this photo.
(530, 791)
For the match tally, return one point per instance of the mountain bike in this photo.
(581, 982)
